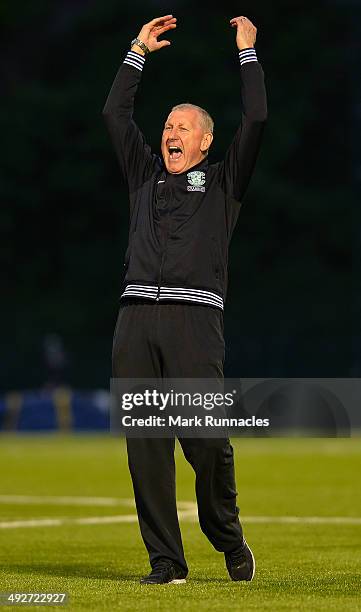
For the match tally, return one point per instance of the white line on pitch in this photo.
(97, 520)
(189, 514)
(322, 520)
(88, 520)
(66, 500)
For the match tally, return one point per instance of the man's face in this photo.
(184, 141)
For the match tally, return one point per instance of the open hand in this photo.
(246, 32)
(150, 32)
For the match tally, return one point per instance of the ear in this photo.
(206, 141)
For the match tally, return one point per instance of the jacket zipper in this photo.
(164, 249)
(160, 275)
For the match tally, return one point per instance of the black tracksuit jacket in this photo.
(181, 224)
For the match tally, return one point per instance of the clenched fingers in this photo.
(235, 21)
(159, 21)
(167, 26)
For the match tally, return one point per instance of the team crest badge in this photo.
(196, 181)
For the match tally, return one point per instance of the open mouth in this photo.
(175, 152)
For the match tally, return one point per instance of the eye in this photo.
(184, 129)
(167, 127)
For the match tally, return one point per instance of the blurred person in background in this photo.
(55, 359)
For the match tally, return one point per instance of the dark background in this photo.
(293, 302)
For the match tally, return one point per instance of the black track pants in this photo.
(175, 341)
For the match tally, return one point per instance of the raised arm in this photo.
(134, 155)
(236, 169)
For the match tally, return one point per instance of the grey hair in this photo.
(206, 120)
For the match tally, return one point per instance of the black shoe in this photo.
(165, 572)
(240, 563)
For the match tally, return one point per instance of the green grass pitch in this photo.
(300, 499)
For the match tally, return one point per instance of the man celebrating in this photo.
(183, 211)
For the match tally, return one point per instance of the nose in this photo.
(173, 134)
